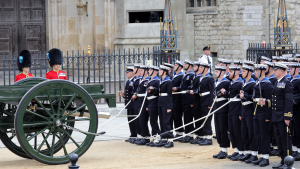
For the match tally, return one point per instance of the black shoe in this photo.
(176, 136)
(264, 162)
(277, 166)
(274, 152)
(233, 155)
(143, 142)
(206, 142)
(215, 137)
(246, 157)
(223, 155)
(297, 158)
(284, 166)
(216, 155)
(148, 144)
(257, 161)
(295, 153)
(195, 141)
(137, 141)
(132, 141)
(128, 140)
(169, 145)
(160, 143)
(252, 158)
(186, 139)
(236, 158)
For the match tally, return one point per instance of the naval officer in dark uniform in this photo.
(282, 111)
(221, 116)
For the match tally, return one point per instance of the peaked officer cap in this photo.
(278, 65)
(206, 48)
(129, 69)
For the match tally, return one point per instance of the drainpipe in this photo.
(268, 11)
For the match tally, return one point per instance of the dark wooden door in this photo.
(24, 26)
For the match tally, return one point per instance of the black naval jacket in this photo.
(195, 88)
(282, 100)
(265, 90)
(296, 94)
(152, 102)
(235, 107)
(129, 92)
(141, 90)
(247, 109)
(223, 84)
(206, 84)
(186, 84)
(136, 83)
(176, 83)
(273, 79)
(165, 87)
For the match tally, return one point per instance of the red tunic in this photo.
(23, 76)
(56, 75)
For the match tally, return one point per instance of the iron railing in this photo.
(105, 67)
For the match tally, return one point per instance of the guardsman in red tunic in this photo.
(55, 61)
(24, 64)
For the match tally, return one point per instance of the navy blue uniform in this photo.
(136, 83)
(282, 109)
(273, 80)
(247, 116)
(221, 116)
(130, 109)
(177, 105)
(235, 110)
(197, 105)
(296, 110)
(165, 102)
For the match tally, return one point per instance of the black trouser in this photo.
(164, 119)
(143, 120)
(188, 117)
(221, 127)
(197, 115)
(284, 142)
(272, 135)
(296, 127)
(130, 112)
(234, 125)
(262, 135)
(137, 121)
(153, 113)
(248, 133)
(207, 131)
(177, 113)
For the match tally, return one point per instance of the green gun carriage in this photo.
(37, 112)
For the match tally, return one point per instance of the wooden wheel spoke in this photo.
(41, 116)
(37, 133)
(49, 98)
(77, 109)
(62, 142)
(53, 143)
(43, 142)
(59, 101)
(68, 104)
(80, 119)
(38, 102)
(70, 137)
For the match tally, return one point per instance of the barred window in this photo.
(201, 3)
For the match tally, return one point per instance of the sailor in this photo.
(275, 58)
(283, 59)
(293, 60)
(226, 63)
(206, 58)
(221, 116)
(250, 63)
(234, 111)
(263, 59)
(187, 99)
(294, 71)
(198, 135)
(170, 71)
(136, 82)
(24, 64)
(287, 72)
(139, 96)
(151, 102)
(262, 115)
(282, 112)
(177, 105)
(165, 104)
(297, 56)
(240, 64)
(127, 94)
(247, 116)
(55, 60)
(269, 72)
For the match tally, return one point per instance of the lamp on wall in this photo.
(81, 7)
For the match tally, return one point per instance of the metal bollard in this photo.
(289, 161)
(73, 159)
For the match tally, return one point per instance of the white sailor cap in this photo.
(270, 64)
(248, 62)
(293, 60)
(278, 65)
(260, 67)
(237, 62)
(162, 67)
(178, 62)
(297, 55)
(197, 63)
(137, 65)
(205, 65)
(265, 58)
(129, 69)
(226, 61)
(222, 68)
(189, 62)
(168, 65)
(275, 58)
(249, 68)
(283, 58)
(287, 55)
(144, 67)
(153, 67)
(296, 65)
(234, 68)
